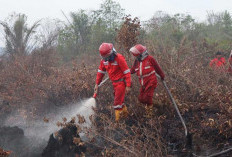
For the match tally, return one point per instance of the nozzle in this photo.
(94, 95)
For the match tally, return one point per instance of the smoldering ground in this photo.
(29, 138)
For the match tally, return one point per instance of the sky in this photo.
(144, 9)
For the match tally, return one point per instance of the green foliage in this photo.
(171, 32)
(106, 21)
(112, 13)
(73, 39)
(183, 48)
(99, 35)
(219, 26)
(87, 30)
(164, 28)
(67, 43)
(81, 27)
(18, 35)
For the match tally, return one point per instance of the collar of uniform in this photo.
(144, 55)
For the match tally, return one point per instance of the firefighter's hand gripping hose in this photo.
(97, 86)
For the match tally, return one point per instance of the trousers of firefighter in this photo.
(145, 67)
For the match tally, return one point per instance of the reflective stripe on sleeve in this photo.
(100, 71)
(147, 67)
(106, 63)
(118, 106)
(126, 71)
(148, 74)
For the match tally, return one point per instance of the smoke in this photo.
(42, 130)
(38, 131)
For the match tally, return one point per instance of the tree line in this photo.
(83, 31)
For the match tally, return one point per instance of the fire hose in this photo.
(95, 94)
(177, 110)
(216, 154)
(187, 134)
(176, 107)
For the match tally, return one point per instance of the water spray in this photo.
(83, 108)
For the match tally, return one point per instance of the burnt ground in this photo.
(13, 139)
(205, 141)
(64, 143)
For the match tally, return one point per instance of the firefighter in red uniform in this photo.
(230, 63)
(218, 63)
(119, 73)
(146, 68)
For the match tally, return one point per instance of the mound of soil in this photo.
(65, 143)
(13, 139)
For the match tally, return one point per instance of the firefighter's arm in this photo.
(126, 71)
(223, 60)
(212, 62)
(132, 70)
(230, 60)
(100, 73)
(157, 68)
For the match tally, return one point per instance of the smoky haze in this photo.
(32, 136)
(36, 10)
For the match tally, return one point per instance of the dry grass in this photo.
(36, 82)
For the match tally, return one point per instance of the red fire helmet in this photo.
(105, 49)
(138, 49)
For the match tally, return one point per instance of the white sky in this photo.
(144, 9)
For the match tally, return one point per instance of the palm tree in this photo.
(18, 35)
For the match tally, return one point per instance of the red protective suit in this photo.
(230, 65)
(119, 74)
(146, 70)
(218, 64)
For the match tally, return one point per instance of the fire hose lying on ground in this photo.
(187, 134)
